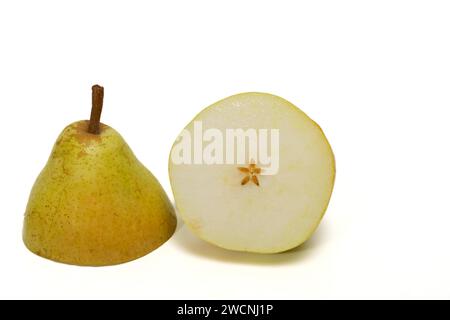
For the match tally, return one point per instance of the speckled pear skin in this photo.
(94, 203)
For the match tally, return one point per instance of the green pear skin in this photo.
(94, 203)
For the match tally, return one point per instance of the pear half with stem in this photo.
(94, 203)
(272, 197)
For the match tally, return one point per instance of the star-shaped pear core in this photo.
(251, 173)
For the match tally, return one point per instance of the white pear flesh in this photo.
(286, 208)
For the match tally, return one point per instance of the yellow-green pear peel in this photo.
(94, 203)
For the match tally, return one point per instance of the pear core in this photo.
(234, 205)
(94, 203)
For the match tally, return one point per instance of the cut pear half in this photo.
(266, 197)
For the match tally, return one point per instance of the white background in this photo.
(374, 74)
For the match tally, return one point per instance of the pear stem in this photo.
(96, 111)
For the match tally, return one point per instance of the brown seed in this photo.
(255, 180)
(245, 180)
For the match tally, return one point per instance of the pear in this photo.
(94, 203)
(271, 198)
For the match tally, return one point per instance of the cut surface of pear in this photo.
(94, 203)
(236, 206)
